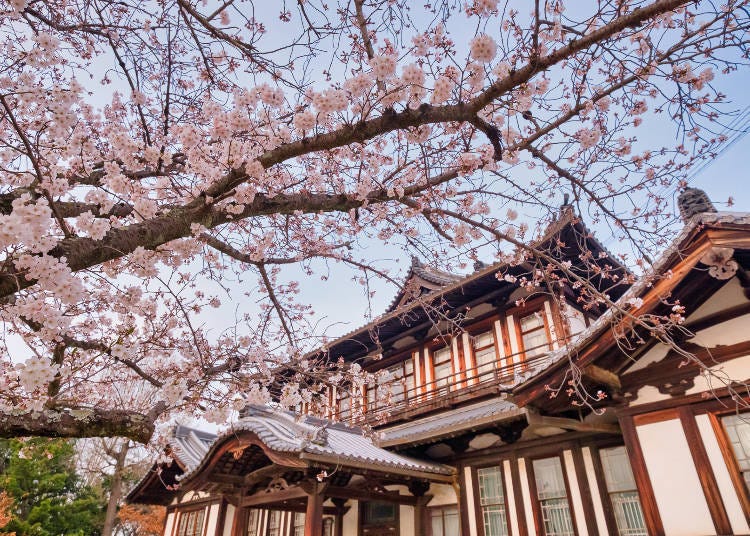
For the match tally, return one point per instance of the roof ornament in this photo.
(479, 265)
(720, 263)
(693, 201)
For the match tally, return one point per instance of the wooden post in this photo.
(418, 488)
(314, 513)
(338, 527)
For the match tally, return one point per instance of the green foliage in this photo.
(49, 498)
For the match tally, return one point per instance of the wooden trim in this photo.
(656, 416)
(585, 492)
(719, 317)
(222, 517)
(705, 473)
(518, 497)
(642, 479)
(731, 460)
(477, 506)
(464, 501)
(719, 401)
(601, 482)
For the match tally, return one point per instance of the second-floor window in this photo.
(442, 368)
(485, 354)
(552, 497)
(534, 334)
(492, 501)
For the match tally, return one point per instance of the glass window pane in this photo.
(621, 487)
(535, 343)
(550, 482)
(617, 471)
(253, 520)
(553, 497)
(437, 523)
(738, 431)
(492, 501)
(531, 321)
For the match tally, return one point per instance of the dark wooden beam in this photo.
(602, 376)
(535, 420)
(360, 495)
(264, 498)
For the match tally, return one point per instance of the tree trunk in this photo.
(115, 493)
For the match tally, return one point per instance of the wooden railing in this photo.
(393, 402)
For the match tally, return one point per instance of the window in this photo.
(553, 497)
(534, 338)
(622, 492)
(191, 523)
(442, 367)
(492, 501)
(376, 513)
(299, 524)
(395, 382)
(444, 521)
(485, 355)
(253, 522)
(345, 406)
(738, 432)
(274, 523)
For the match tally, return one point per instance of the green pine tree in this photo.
(49, 497)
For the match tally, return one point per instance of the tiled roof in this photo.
(659, 266)
(189, 445)
(316, 439)
(418, 270)
(451, 422)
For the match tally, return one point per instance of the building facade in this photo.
(501, 410)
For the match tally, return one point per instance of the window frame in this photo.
(479, 514)
(438, 346)
(733, 467)
(536, 506)
(534, 306)
(188, 511)
(362, 527)
(605, 494)
(441, 508)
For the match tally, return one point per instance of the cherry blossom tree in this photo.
(154, 153)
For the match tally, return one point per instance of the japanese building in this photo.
(503, 410)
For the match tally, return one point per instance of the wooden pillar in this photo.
(418, 488)
(314, 512)
(338, 528)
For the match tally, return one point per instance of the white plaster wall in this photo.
(229, 520)
(469, 487)
(655, 354)
(351, 519)
(723, 480)
(678, 491)
(733, 370)
(406, 521)
(442, 494)
(169, 524)
(648, 394)
(526, 494)
(575, 492)
(727, 296)
(212, 519)
(729, 332)
(511, 495)
(596, 499)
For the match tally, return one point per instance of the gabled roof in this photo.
(420, 280)
(323, 441)
(284, 436)
(565, 239)
(602, 328)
